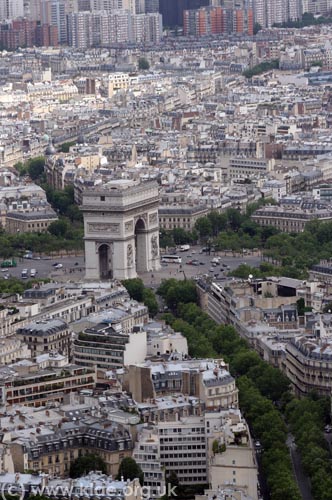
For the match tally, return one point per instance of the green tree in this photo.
(215, 447)
(21, 168)
(143, 64)
(59, 227)
(85, 464)
(218, 222)
(36, 168)
(180, 236)
(204, 227)
(150, 301)
(166, 238)
(257, 28)
(135, 288)
(176, 292)
(64, 148)
(129, 469)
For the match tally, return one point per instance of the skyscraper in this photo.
(11, 9)
(151, 6)
(270, 12)
(295, 10)
(172, 10)
(53, 12)
(80, 30)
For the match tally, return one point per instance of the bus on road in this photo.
(171, 259)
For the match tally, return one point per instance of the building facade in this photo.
(44, 336)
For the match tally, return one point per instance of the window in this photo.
(102, 198)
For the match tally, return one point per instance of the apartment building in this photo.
(12, 349)
(47, 335)
(53, 452)
(27, 385)
(162, 340)
(147, 28)
(291, 219)
(30, 221)
(184, 216)
(80, 29)
(217, 20)
(147, 455)
(246, 168)
(107, 347)
(102, 29)
(308, 365)
(53, 13)
(169, 408)
(206, 380)
(11, 9)
(183, 449)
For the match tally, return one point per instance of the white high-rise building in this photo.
(11, 9)
(277, 12)
(260, 14)
(316, 7)
(112, 5)
(295, 10)
(270, 12)
(147, 28)
(80, 30)
(54, 13)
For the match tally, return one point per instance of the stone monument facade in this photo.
(121, 230)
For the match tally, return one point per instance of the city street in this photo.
(73, 267)
(186, 270)
(301, 478)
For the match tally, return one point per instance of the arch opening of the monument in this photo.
(104, 252)
(140, 246)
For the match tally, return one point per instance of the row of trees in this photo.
(263, 67)
(63, 202)
(262, 388)
(34, 168)
(15, 285)
(17, 244)
(136, 289)
(229, 230)
(306, 418)
(308, 19)
(293, 254)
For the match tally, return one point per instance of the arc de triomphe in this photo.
(121, 229)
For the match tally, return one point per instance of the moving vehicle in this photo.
(169, 259)
(33, 273)
(24, 274)
(8, 263)
(184, 248)
(58, 266)
(215, 260)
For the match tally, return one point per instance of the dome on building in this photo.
(81, 139)
(50, 150)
